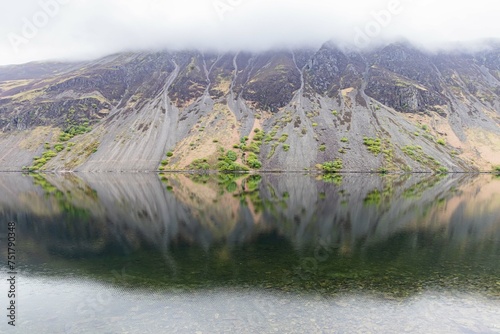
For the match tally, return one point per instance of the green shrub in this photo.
(75, 130)
(259, 136)
(442, 170)
(64, 136)
(225, 166)
(322, 148)
(254, 163)
(286, 147)
(164, 162)
(58, 147)
(496, 169)
(441, 141)
(315, 124)
(170, 153)
(335, 113)
(344, 140)
(40, 162)
(198, 164)
(231, 155)
(332, 166)
(254, 147)
(49, 154)
(283, 138)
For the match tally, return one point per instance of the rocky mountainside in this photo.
(395, 108)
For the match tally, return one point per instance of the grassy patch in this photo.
(74, 130)
(417, 154)
(374, 145)
(273, 149)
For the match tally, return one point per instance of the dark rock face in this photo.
(325, 70)
(401, 93)
(272, 81)
(315, 97)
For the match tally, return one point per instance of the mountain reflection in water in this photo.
(391, 236)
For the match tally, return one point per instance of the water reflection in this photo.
(393, 235)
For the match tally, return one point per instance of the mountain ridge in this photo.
(393, 108)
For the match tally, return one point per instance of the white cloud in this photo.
(90, 28)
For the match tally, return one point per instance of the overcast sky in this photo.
(82, 29)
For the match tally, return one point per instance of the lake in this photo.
(268, 253)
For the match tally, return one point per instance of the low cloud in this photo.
(82, 29)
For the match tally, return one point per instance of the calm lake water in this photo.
(271, 253)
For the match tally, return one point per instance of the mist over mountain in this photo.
(35, 30)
